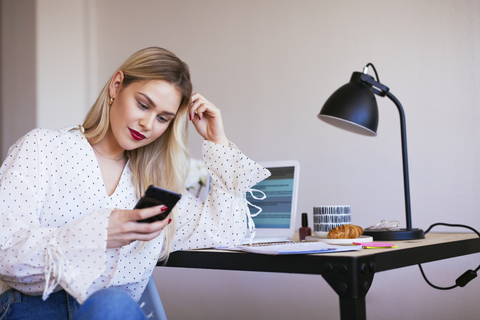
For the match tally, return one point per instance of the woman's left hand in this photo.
(207, 119)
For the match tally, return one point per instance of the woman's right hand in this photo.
(123, 227)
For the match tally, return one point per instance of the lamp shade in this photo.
(352, 107)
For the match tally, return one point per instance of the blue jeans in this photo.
(104, 304)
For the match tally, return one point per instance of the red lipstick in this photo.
(136, 135)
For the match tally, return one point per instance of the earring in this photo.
(111, 100)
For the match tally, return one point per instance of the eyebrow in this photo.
(153, 104)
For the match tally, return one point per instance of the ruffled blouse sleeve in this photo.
(35, 259)
(222, 219)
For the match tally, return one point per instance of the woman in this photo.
(67, 228)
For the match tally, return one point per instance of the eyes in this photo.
(160, 118)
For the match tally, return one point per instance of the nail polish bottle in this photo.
(304, 231)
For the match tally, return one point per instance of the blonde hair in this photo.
(164, 162)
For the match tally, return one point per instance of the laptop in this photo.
(276, 222)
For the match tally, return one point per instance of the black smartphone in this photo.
(155, 196)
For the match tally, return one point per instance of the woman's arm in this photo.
(222, 219)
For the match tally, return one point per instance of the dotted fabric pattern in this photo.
(54, 213)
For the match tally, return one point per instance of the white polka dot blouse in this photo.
(54, 213)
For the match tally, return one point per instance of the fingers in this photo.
(124, 228)
(128, 238)
(141, 214)
(135, 227)
(201, 106)
(207, 119)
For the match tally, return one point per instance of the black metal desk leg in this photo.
(351, 279)
(352, 309)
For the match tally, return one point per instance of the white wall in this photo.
(18, 74)
(62, 62)
(270, 65)
(46, 66)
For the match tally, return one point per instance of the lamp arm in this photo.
(406, 182)
(385, 91)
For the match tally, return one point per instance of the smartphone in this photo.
(155, 196)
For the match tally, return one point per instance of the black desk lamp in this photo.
(353, 107)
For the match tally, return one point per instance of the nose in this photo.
(147, 121)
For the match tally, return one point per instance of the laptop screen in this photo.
(277, 206)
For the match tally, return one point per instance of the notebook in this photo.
(304, 247)
(277, 220)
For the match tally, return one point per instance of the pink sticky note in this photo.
(375, 244)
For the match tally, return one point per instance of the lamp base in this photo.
(396, 234)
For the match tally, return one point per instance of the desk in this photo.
(349, 273)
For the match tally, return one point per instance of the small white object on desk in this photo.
(340, 241)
